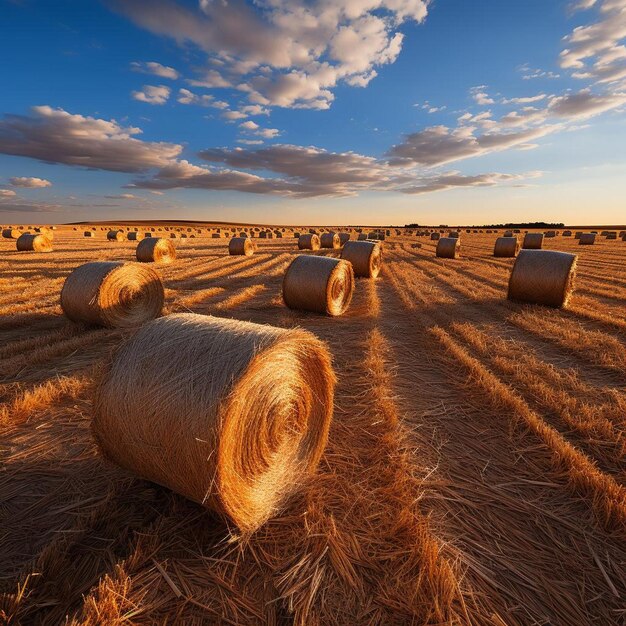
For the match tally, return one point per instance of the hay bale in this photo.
(330, 240)
(550, 234)
(566, 233)
(33, 243)
(365, 257)
(241, 246)
(508, 233)
(533, 241)
(543, 277)
(134, 236)
(587, 239)
(230, 414)
(11, 233)
(115, 235)
(310, 241)
(612, 235)
(112, 294)
(344, 238)
(319, 284)
(454, 234)
(435, 236)
(448, 247)
(43, 230)
(577, 234)
(156, 250)
(506, 247)
(88, 233)
(362, 237)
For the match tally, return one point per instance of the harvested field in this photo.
(474, 472)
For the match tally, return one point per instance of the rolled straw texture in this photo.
(319, 284)
(33, 243)
(310, 241)
(241, 246)
(543, 277)
(134, 236)
(229, 414)
(434, 236)
(156, 250)
(112, 294)
(587, 239)
(533, 241)
(343, 238)
(448, 247)
(115, 235)
(365, 257)
(330, 240)
(506, 247)
(11, 233)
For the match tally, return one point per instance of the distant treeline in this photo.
(507, 225)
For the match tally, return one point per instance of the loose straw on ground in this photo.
(241, 246)
(230, 414)
(448, 247)
(543, 277)
(365, 257)
(156, 250)
(319, 284)
(33, 243)
(112, 294)
(309, 242)
(506, 247)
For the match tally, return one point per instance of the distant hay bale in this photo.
(454, 234)
(435, 236)
(611, 235)
(507, 246)
(134, 236)
(330, 240)
(296, 235)
(309, 241)
(344, 238)
(319, 284)
(578, 234)
(156, 250)
(587, 239)
(88, 233)
(216, 236)
(250, 434)
(533, 241)
(44, 230)
(11, 233)
(508, 233)
(566, 233)
(241, 246)
(112, 294)
(362, 237)
(448, 247)
(115, 235)
(33, 243)
(365, 257)
(543, 277)
(173, 236)
(550, 234)
(263, 235)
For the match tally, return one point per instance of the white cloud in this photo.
(152, 94)
(480, 96)
(152, 67)
(29, 182)
(525, 99)
(233, 115)
(7, 193)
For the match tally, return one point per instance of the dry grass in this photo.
(474, 472)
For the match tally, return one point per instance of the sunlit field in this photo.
(474, 471)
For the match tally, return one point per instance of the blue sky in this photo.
(351, 111)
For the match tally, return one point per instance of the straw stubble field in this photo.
(474, 472)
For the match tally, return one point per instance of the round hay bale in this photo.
(362, 237)
(577, 234)
(435, 236)
(542, 277)
(587, 239)
(241, 246)
(566, 233)
(134, 236)
(33, 243)
(365, 257)
(115, 235)
(533, 241)
(229, 414)
(344, 238)
(88, 233)
(156, 250)
(448, 247)
(330, 240)
(11, 233)
(550, 233)
(112, 294)
(454, 234)
(309, 242)
(506, 247)
(43, 230)
(319, 284)
(611, 236)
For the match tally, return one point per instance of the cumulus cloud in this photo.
(480, 96)
(29, 182)
(6, 193)
(206, 100)
(152, 94)
(56, 136)
(152, 67)
(282, 53)
(254, 129)
(233, 116)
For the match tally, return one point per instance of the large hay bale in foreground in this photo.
(156, 250)
(241, 246)
(319, 284)
(533, 241)
(435, 236)
(542, 277)
(309, 241)
(448, 247)
(365, 257)
(330, 240)
(230, 414)
(506, 247)
(11, 233)
(112, 294)
(33, 243)
(587, 239)
(115, 235)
